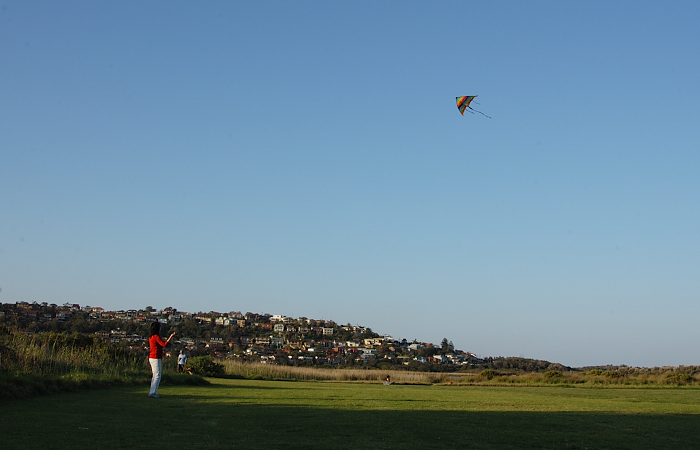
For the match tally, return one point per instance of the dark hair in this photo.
(155, 328)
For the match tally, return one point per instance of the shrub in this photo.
(677, 378)
(488, 374)
(206, 366)
(553, 375)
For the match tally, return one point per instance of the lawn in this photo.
(259, 414)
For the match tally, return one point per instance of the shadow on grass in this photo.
(126, 418)
(17, 387)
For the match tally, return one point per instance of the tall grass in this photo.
(54, 354)
(51, 362)
(260, 371)
(677, 376)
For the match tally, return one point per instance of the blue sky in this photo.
(308, 159)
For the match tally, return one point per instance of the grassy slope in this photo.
(258, 414)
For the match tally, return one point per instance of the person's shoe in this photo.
(154, 395)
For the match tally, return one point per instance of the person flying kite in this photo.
(463, 104)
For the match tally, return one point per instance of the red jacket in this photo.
(156, 344)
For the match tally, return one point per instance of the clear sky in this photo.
(308, 159)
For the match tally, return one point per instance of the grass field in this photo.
(260, 414)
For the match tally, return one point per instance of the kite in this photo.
(463, 104)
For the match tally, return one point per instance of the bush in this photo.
(612, 374)
(677, 378)
(206, 366)
(553, 375)
(488, 374)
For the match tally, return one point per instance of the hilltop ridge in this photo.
(270, 338)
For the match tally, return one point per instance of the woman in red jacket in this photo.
(155, 357)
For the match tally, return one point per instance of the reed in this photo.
(260, 371)
(56, 354)
(53, 362)
(678, 376)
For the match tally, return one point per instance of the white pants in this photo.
(156, 369)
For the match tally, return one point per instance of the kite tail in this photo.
(480, 113)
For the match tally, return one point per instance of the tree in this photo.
(444, 346)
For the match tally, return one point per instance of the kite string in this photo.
(480, 113)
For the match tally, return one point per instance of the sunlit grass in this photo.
(258, 414)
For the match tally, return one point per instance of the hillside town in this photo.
(268, 338)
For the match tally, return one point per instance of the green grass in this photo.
(259, 414)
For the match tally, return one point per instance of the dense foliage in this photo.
(51, 362)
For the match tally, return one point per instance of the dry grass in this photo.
(260, 371)
(52, 354)
(676, 376)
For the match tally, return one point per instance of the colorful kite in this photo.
(463, 104)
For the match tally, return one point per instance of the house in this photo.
(366, 356)
(216, 339)
(327, 331)
(456, 359)
(262, 340)
(296, 344)
(278, 328)
(440, 359)
(372, 342)
(389, 339)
